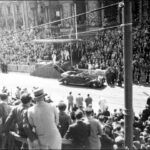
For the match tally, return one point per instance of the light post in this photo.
(127, 49)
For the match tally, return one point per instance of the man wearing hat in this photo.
(44, 118)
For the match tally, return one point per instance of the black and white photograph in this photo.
(75, 74)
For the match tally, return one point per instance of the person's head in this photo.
(70, 93)
(74, 108)
(39, 94)
(88, 95)
(26, 98)
(120, 110)
(62, 106)
(101, 118)
(121, 122)
(90, 106)
(107, 129)
(78, 114)
(4, 96)
(119, 140)
(118, 128)
(148, 100)
(88, 112)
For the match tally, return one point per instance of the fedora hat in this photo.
(39, 93)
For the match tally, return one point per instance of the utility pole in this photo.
(127, 44)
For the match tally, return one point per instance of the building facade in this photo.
(24, 14)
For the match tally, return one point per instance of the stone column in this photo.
(93, 19)
(6, 15)
(67, 12)
(14, 15)
(102, 13)
(25, 14)
(46, 13)
(34, 11)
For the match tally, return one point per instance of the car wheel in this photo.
(94, 85)
(65, 82)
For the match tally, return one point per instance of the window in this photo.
(57, 13)
(18, 9)
(0, 11)
(8, 9)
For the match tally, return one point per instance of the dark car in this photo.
(81, 79)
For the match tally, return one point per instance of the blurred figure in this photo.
(17, 116)
(79, 132)
(4, 112)
(79, 100)
(120, 143)
(70, 101)
(106, 140)
(95, 130)
(88, 100)
(45, 119)
(64, 118)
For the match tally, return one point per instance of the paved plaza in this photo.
(113, 96)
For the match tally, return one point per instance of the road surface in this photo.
(113, 96)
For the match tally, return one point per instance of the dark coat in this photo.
(4, 112)
(78, 133)
(64, 122)
(16, 115)
(107, 142)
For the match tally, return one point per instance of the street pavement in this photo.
(112, 96)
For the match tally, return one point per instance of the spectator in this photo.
(79, 100)
(106, 113)
(106, 141)
(95, 130)
(64, 119)
(4, 112)
(145, 113)
(44, 117)
(88, 100)
(70, 101)
(119, 143)
(79, 133)
(16, 116)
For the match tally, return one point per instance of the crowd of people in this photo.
(101, 51)
(72, 124)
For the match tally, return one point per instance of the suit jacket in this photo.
(4, 112)
(16, 115)
(79, 133)
(64, 122)
(44, 118)
(96, 131)
(79, 101)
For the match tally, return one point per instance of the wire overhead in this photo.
(73, 16)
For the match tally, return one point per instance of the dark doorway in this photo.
(81, 8)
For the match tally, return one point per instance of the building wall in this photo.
(14, 15)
